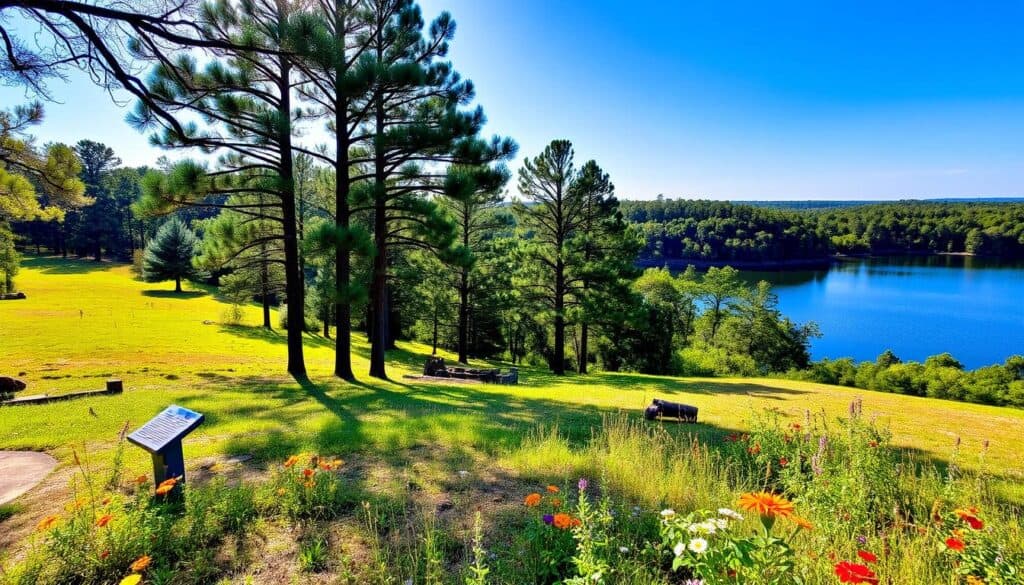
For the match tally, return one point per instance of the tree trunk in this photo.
(464, 311)
(265, 290)
(342, 258)
(292, 270)
(434, 352)
(583, 348)
(378, 288)
(177, 284)
(558, 367)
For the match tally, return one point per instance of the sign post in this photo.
(162, 436)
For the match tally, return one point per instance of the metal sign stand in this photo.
(161, 437)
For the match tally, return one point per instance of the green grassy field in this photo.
(85, 322)
(422, 445)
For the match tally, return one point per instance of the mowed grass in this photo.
(84, 322)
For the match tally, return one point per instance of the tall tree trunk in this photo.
(265, 288)
(177, 284)
(342, 257)
(378, 288)
(434, 352)
(292, 270)
(558, 367)
(464, 299)
(583, 348)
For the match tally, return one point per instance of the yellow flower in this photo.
(133, 579)
(766, 504)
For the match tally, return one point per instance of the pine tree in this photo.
(169, 255)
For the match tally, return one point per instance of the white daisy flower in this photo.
(679, 548)
(720, 523)
(708, 527)
(668, 513)
(623, 549)
(698, 545)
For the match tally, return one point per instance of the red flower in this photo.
(970, 517)
(955, 544)
(783, 462)
(755, 449)
(853, 573)
(307, 472)
(867, 556)
(872, 443)
(732, 438)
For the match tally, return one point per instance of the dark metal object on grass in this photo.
(671, 410)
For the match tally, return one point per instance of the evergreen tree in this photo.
(169, 256)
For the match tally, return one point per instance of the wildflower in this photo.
(291, 461)
(872, 444)
(795, 426)
(668, 513)
(106, 501)
(732, 438)
(623, 549)
(548, 519)
(754, 449)
(583, 484)
(140, 564)
(134, 579)
(104, 554)
(553, 489)
(766, 504)
(970, 517)
(166, 486)
(307, 473)
(679, 548)
(972, 580)
(562, 521)
(104, 520)
(325, 466)
(48, 522)
(281, 491)
(141, 479)
(867, 557)
(699, 581)
(532, 500)
(309, 484)
(783, 462)
(556, 503)
(955, 544)
(854, 573)
(727, 513)
(802, 522)
(698, 545)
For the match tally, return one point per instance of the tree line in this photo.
(679, 231)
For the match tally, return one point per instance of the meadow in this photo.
(427, 457)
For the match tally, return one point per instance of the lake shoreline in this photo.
(680, 264)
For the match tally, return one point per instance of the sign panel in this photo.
(166, 428)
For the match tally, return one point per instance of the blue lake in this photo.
(915, 306)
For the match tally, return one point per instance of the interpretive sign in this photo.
(162, 436)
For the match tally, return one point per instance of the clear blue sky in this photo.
(727, 100)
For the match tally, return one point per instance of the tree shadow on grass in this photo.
(170, 294)
(58, 265)
(279, 336)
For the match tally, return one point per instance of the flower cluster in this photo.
(850, 572)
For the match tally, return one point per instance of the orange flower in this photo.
(308, 473)
(955, 544)
(802, 522)
(532, 500)
(970, 517)
(563, 521)
(872, 443)
(141, 479)
(755, 449)
(291, 461)
(104, 554)
(553, 489)
(140, 564)
(783, 462)
(166, 486)
(766, 504)
(48, 522)
(106, 501)
(104, 520)
(325, 466)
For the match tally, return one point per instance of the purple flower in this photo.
(549, 519)
(583, 484)
(862, 540)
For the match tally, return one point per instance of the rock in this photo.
(10, 385)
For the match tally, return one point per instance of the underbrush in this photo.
(814, 500)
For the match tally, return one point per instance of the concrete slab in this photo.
(21, 471)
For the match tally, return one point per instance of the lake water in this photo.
(915, 306)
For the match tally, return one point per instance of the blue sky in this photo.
(726, 100)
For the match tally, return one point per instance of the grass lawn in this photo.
(84, 322)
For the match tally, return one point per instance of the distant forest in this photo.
(679, 232)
